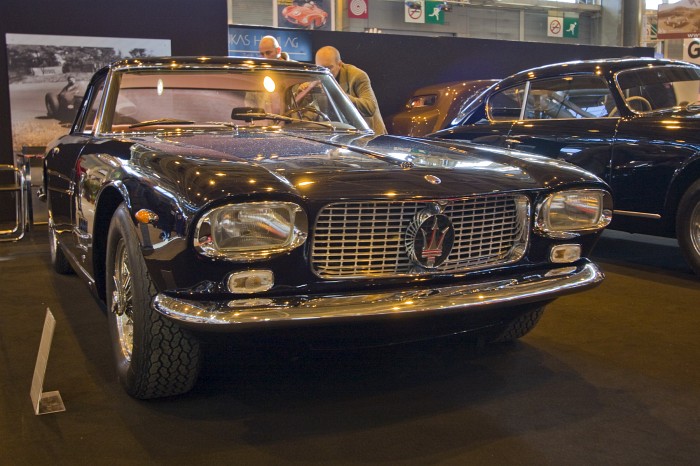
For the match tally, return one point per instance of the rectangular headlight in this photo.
(251, 231)
(566, 214)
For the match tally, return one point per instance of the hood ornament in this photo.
(432, 179)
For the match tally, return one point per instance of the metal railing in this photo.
(13, 185)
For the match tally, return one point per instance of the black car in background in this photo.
(209, 195)
(633, 122)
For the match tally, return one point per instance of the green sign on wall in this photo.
(571, 27)
(434, 13)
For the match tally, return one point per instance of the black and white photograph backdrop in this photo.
(48, 75)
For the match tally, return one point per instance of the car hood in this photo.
(204, 167)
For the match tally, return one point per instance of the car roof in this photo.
(606, 67)
(179, 62)
(436, 88)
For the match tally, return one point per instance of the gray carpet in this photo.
(609, 377)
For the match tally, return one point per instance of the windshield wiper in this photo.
(162, 121)
(250, 114)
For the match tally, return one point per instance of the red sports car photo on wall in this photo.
(305, 14)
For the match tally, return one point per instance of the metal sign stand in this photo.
(45, 402)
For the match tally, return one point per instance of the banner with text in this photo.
(243, 42)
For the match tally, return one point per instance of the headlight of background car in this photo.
(251, 231)
(422, 101)
(566, 214)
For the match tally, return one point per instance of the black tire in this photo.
(52, 105)
(520, 326)
(154, 356)
(59, 262)
(688, 226)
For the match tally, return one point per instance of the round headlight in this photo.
(251, 231)
(566, 214)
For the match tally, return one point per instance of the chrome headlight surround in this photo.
(251, 231)
(570, 213)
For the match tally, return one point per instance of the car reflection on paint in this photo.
(203, 195)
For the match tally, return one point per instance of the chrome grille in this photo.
(367, 239)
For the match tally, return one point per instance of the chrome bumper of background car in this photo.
(512, 291)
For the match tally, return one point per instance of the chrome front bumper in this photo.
(511, 291)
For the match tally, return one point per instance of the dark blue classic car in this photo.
(633, 122)
(199, 195)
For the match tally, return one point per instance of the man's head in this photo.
(71, 80)
(269, 47)
(330, 58)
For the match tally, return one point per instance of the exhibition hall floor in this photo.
(609, 377)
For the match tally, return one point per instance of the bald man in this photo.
(356, 85)
(270, 48)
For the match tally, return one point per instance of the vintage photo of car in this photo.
(633, 122)
(676, 21)
(305, 14)
(48, 75)
(214, 195)
(63, 105)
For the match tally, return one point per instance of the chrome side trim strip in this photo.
(510, 291)
(630, 213)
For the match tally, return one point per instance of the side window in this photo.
(88, 123)
(506, 105)
(659, 88)
(581, 96)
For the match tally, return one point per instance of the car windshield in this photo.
(660, 88)
(149, 100)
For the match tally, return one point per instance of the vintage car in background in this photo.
(433, 108)
(305, 14)
(63, 105)
(676, 21)
(633, 122)
(198, 195)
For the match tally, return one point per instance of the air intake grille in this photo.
(368, 239)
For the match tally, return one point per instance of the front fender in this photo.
(682, 178)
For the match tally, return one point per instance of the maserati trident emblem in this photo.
(429, 239)
(432, 179)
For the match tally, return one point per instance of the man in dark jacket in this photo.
(356, 85)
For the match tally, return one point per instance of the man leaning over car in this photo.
(355, 83)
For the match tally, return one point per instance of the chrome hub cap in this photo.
(122, 300)
(695, 228)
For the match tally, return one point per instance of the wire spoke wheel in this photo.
(688, 226)
(154, 356)
(123, 300)
(695, 228)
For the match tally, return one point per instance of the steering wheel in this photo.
(300, 112)
(634, 98)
